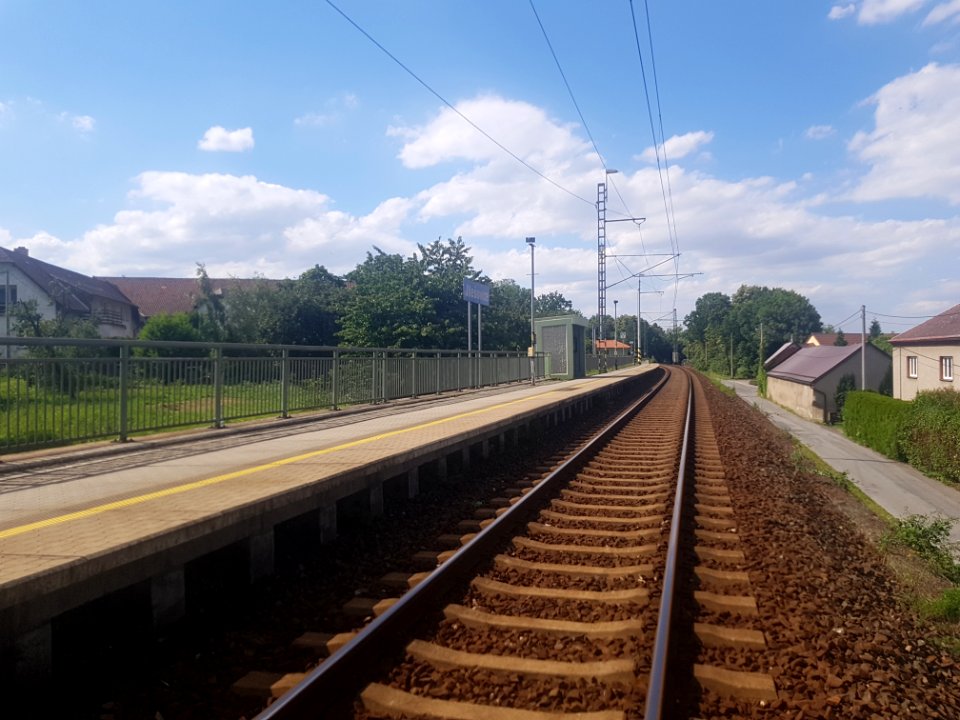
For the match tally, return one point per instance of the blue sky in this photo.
(812, 145)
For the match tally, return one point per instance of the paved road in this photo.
(896, 487)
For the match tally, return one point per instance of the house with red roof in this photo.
(925, 357)
(822, 338)
(156, 295)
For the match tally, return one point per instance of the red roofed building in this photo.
(925, 357)
(831, 338)
(153, 295)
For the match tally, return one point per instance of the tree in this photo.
(552, 304)
(166, 327)
(506, 323)
(211, 315)
(875, 330)
(841, 340)
(305, 311)
(718, 321)
(387, 305)
(706, 329)
(444, 267)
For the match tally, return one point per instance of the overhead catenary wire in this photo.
(442, 99)
(657, 143)
(583, 120)
(666, 160)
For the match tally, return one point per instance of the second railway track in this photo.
(569, 608)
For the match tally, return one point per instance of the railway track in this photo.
(592, 597)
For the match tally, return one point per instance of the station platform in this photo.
(79, 525)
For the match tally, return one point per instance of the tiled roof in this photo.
(173, 295)
(611, 345)
(943, 327)
(812, 362)
(831, 338)
(71, 290)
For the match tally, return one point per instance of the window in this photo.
(946, 367)
(3, 297)
(911, 366)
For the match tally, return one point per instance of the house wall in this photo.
(27, 290)
(928, 369)
(796, 396)
(114, 320)
(877, 363)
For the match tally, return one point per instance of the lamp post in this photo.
(532, 242)
(616, 362)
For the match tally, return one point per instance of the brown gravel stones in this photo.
(840, 642)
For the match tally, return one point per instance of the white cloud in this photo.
(838, 12)
(819, 132)
(874, 12)
(336, 110)
(678, 146)
(520, 126)
(943, 12)
(913, 149)
(756, 230)
(83, 123)
(219, 139)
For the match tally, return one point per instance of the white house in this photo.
(925, 357)
(62, 293)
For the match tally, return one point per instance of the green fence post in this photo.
(413, 379)
(438, 373)
(285, 383)
(218, 388)
(336, 380)
(124, 391)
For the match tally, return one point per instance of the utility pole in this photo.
(863, 347)
(532, 241)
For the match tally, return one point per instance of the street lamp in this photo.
(616, 363)
(532, 242)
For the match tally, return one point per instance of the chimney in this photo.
(22, 251)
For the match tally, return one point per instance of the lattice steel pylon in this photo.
(601, 267)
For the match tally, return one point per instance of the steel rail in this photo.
(658, 665)
(331, 687)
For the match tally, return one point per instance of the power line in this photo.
(666, 160)
(583, 120)
(458, 112)
(656, 143)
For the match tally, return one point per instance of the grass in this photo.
(805, 460)
(918, 551)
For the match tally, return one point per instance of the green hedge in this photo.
(930, 434)
(875, 421)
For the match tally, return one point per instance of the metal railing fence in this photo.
(56, 391)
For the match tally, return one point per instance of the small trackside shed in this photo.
(806, 382)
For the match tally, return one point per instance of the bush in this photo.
(929, 538)
(874, 420)
(929, 435)
(847, 384)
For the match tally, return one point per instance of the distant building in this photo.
(806, 382)
(924, 357)
(155, 295)
(63, 293)
(830, 339)
(614, 347)
(788, 349)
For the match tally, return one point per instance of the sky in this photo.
(813, 146)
